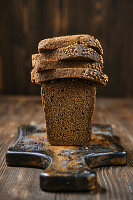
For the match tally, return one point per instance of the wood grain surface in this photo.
(23, 183)
(24, 23)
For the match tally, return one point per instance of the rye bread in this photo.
(93, 75)
(69, 69)
(58, 42)
(40, 63)
(78, 52)
(68, 108)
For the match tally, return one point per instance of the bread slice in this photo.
(64, 41)
(78, 52)
(92, 75)
(40, 63)
(68, 108)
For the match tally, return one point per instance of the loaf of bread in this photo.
(69, 68)
(68, 106)
(64, 41)
(97, 77)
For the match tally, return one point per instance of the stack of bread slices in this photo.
(69, 68)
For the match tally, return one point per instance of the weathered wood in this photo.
(25, 22)
(67, 168)
(21, 183)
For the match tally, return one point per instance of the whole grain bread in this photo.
(40, 63)
(78, 52)
(68, 108)
(69, 68)
(58, 42)
(92, 75)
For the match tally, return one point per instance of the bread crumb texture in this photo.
(68, 107)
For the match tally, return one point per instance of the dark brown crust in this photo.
(40, 63)
(92, 75)
(68, 108)
(79, 52)
(58, 42)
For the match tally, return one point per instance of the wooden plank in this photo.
(1, 79)
(24, 23)
(22, 183)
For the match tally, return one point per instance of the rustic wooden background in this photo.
(24, 23)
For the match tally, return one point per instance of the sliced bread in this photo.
(93, 75)
(78, 52)
(40, 63)
(58, 42)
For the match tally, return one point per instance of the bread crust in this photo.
(58, 42)
(40, 63)
(92, 75)
(78, 52)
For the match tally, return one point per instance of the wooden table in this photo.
(23, 183)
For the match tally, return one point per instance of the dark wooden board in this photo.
(25, 22)
(67, 169)
(23, 183)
